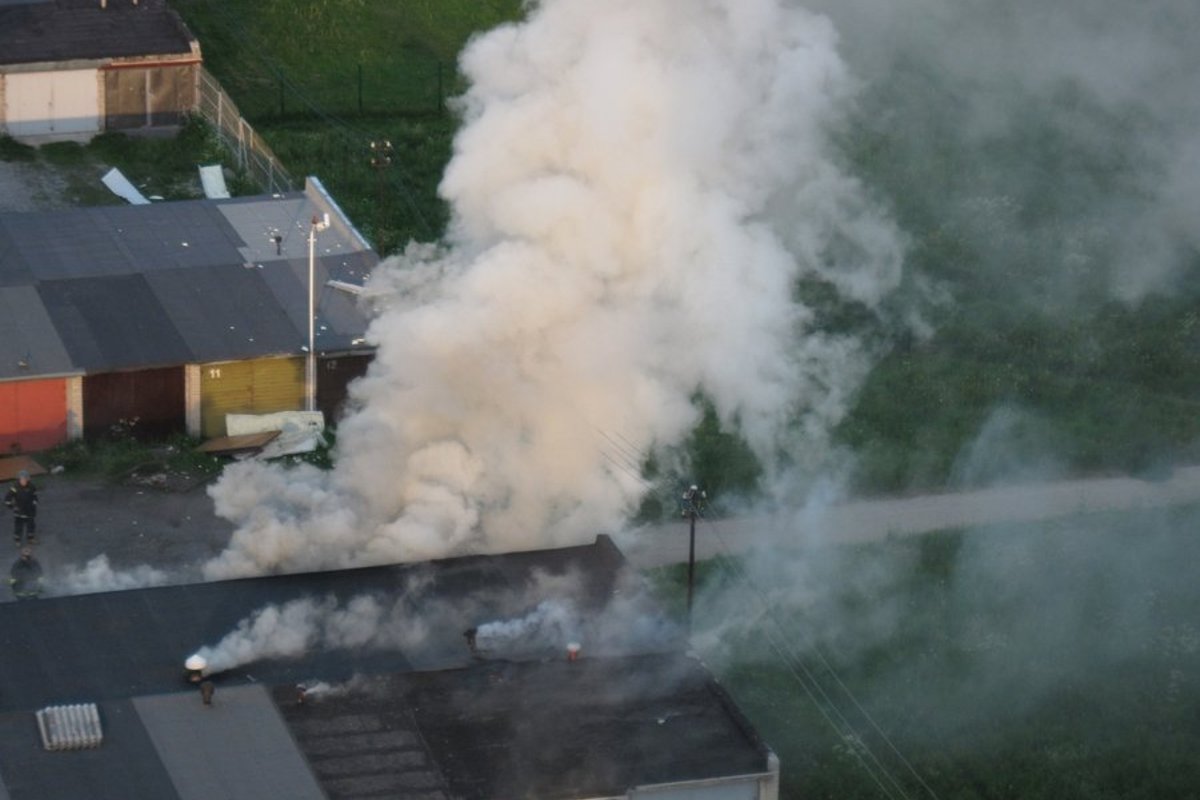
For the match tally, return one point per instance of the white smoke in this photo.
(98, 575)
(636, 188)
(428, 628)
(307, 624)
(552, 624)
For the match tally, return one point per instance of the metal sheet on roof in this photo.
(226, 312)
(113, 322)
(256, 220)
(238, 748)
(29, 343)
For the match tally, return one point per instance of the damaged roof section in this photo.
(138, 287)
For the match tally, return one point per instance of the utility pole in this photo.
(692, 506)
(381, 159)
(310, 364)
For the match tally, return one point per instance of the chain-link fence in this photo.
(252, 153)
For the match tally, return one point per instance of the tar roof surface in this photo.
(124, 644)
(62, 30)
(594, 727)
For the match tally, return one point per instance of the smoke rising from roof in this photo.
(537, 619)
(98, 575)
(635, 191)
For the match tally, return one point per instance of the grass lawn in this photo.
(322, 80)
(1059, 660)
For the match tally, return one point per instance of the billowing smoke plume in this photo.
(636, 189)
(301, 626)
(98, 575)
(428, 628)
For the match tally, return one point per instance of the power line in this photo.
(730, 563)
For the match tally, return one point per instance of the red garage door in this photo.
(33, 415)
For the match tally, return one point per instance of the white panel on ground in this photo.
(119, 185)
(212, 178)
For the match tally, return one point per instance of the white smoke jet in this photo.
(273, 631)
(98, 575)
(636, 187)
(552, 624)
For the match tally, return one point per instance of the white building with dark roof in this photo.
(72, 68)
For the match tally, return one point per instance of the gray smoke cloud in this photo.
(1051, 146)
(98, 575)
(635, 190)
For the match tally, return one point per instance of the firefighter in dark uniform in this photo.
(25, 578)
(22, 499)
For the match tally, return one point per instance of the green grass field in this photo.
(321, 81)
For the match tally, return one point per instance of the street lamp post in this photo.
(692, 507)
(381, 159)
(310, 363)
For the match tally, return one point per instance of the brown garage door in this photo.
(149, 403)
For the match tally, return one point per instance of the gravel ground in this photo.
(29, 187)
(144, 535)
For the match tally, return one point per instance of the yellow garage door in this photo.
(263, 386)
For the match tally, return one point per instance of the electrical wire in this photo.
(791, 659)
(730, 563)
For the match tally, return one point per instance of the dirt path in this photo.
(867, 520)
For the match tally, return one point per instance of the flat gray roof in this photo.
(127, 287)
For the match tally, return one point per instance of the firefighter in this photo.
(22, 499)
(25, 577)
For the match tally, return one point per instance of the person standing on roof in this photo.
(25, 577)
(23, 500)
